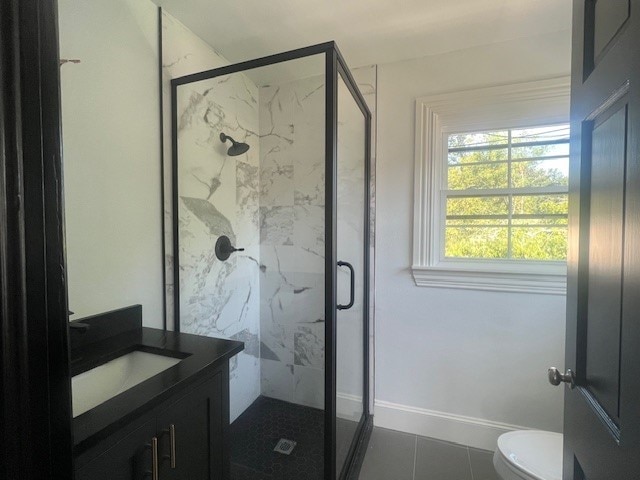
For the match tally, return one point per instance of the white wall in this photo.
(111, 140)
(457, 364)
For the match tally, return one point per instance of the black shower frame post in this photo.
(334, 66)
(330, 259)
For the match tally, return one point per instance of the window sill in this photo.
(553, 281)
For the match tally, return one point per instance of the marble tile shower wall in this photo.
(292, 164)
(218, 195)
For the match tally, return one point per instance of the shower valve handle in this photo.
(224, 249)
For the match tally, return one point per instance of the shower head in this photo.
(236, 148)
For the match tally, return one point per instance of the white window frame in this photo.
(521, 105)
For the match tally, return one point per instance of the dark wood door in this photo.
(602, 412)
(190, 435)
(129, 459)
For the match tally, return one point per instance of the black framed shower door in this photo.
(337, 76)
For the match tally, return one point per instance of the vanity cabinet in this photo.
(130, 458)
(191, 436)
(183, 438)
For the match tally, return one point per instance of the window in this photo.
(505, 194)
(491, 188)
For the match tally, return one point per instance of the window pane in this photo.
(478, 139)
(477, 222)
(523, 205)
(559, 222)
(476, 242)
(478, 176)
(486, 207)
(510, 224)
(539, 243)
(537, 151)
(475, 156)
(549, 133)
(540, 173)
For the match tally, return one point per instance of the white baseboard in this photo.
(348, 406)
(470, 431)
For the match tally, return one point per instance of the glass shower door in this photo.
(351, 275)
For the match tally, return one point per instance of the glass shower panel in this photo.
(250, 175)
(351, 209)
(250, 230)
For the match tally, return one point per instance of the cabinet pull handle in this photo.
(154, 458)
(172, 439)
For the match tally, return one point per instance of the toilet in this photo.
(529, 455)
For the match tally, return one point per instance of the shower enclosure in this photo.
(271, 247)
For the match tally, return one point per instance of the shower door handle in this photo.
(353, 286)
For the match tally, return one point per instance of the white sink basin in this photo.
(99, 384)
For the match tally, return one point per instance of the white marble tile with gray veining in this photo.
(308, 300)
(218, 195)
(308, 386)
(290, 258)
(247, 185)
(277, 342)
(292, 129)
(277, 380)
(309, 345)
(244, 377)
(308, 228)
(277, 297)
(276, 225)
(276, 186)
(309, 181)
(276, 127)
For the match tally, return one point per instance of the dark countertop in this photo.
(201, 356)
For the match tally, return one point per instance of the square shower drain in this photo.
(285, 446)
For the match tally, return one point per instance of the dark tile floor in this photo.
(390, 455)
(255, 434)
(402, 456)
(345, 435)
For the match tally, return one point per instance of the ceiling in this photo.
(367, 31)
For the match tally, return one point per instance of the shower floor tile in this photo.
(256, 432)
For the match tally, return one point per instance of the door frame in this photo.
(36, 421)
